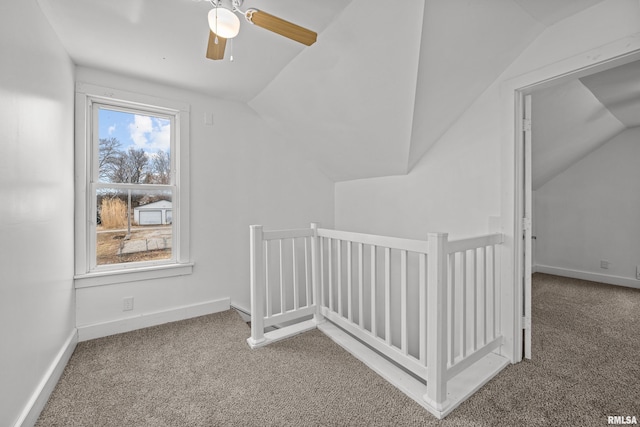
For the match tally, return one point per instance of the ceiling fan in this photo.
(224, 24)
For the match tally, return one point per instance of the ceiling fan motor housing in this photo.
(228, 4)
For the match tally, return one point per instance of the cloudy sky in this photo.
(146, 132)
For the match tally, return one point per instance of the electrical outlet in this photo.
(638, 272)
(127, 304)
(604, 264)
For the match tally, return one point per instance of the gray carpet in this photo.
(200, 372)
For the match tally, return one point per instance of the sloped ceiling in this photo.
(573, 119)
(370, 98)
(548, 12)
(363, 106)
(350, 102)
(166, 40)
(465, 47)
(569, 122)
(618, 89)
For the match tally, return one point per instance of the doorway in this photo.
(524, 168)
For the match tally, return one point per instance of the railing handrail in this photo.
(420, 246)
(412, 245)
(287, 234)
(460, 245)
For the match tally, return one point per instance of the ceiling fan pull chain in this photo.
(215, 4)
(230, 50)
(216, 31)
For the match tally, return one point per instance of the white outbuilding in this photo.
(156, 213)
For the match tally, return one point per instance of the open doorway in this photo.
(585, 178)
(580, 183)
(584, 340)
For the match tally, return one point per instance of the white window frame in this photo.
(87, 274)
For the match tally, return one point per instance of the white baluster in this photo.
(283, 303)
(349, 278)
(257, 286)
(422, 291)
(296, 301)
(387, 295)
(315, 266)
(360, 286)
(269, 303)
(373, 291)
(437, 322)
(404, 346)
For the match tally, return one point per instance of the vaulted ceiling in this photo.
(370, 98)
(572, 119)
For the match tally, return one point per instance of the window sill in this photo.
(113, 277)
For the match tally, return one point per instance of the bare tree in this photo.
(129, 166)
(137, 164)
(108, 153)
(160, 169)
(132, 166)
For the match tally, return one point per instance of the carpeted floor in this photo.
(200, 372)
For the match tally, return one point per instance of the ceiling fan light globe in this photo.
(228, 25)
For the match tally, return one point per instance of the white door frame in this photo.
(513, 189)
(527, 222)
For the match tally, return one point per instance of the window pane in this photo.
(133, 148)
(133, 226)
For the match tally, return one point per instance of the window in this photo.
(131, 206)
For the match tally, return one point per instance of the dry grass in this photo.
(113, 214)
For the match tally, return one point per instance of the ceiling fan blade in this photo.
(282, 27)
(216, 51)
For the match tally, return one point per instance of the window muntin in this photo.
(133, 186)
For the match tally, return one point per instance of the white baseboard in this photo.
(585, 275)
(244, 312)
(98, 330)
(39, 399)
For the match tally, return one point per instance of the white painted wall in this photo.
(589, 213)
(454, 188)
(36, 212)
(241, 173)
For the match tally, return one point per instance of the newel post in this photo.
(437, 321)
(257, 286)
(315, 273)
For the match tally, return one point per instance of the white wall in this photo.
(590, 212)
(241, 173)
(454, 188)
(36, 208)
